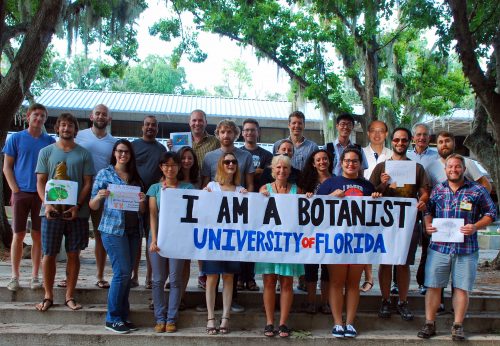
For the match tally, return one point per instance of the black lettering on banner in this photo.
(332, 204)
(240, 209)
(271, 213)
(387, 210)
(304, 217)
(224, 212)
(189, 209)
(344, 214)
(372, 222)
(317, 211)
(402, 211)
(357, 213)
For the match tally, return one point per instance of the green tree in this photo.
(237, 78)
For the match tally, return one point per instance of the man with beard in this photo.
(100, 144)
(148, 152)
(421, 152)
(76, 164)
(420, 190)
(455, 198)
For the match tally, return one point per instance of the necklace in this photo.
(278, 189)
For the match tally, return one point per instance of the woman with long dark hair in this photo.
(120, 231)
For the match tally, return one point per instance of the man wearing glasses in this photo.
(420, 190)
(345, 124)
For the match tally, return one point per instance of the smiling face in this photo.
(321, 162)
(99, 117)
(351, 165)
(149, 128)
(122, 154)
(421, 138)
(400, 142)
(445, 146)
(36, 118)
(454, 170)
(226, 136)
(281, 170)
(197, 123)
(230, 164)
(296, 126)
(170, 169)
(377, 133)
(66, 129)
(187, 159)
(250, 133)
(344, 127)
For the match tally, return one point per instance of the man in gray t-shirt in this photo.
(64, 160)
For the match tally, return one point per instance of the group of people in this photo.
(446, 186)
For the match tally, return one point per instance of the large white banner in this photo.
(284, 228)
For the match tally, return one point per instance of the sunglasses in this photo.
(402, 140)
(228, 162)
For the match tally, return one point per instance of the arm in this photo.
(8, 171)
(204, 181)
(95, 202)
(41, 180)
(483, 181)
(428, 224)
(423, 198)
(249, 182)
(153, 224)
(142, 202)
(82, 197)
(472, 228)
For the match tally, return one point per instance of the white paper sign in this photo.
(448, 230)
(284, 228)
(61, 192)
(401, 172)
(181, 139)
(123, 197)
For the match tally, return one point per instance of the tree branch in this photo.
(396, 35)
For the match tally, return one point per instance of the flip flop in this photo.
(44, 307)
(366, 286)
(102, 284)
(75, 305)
(63, 283)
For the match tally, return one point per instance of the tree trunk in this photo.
(22, 73)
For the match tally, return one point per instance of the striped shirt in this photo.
(444, 203)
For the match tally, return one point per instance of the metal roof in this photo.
(459, 122)
(171, 105)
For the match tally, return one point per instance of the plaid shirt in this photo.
(113, 220)
(444, 203)
(208, 143)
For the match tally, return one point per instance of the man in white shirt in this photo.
(376, 151)
(99, 143)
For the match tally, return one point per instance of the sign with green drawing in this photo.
(61, 192)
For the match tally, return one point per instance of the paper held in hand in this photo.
(401, 172)
(123, 197)
(61, 192)
(448, 230)
(181, 139)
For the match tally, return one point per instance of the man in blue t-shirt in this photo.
(21, 154)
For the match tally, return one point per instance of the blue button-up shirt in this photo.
(339, 149)
(427, 156)
(444, 203)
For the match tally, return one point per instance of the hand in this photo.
(265, 192)
(384, 178)
(468, 229)
(103, 193)
(153, 247)
(142, 197)
(430, 229)
(338, 193)
(49, 208)
(71, 213)
(243, 191)
(376, 195)
(207, 189)
(170, 144)
(421, 206)
(309, 194)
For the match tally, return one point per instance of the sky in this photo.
(267, 77)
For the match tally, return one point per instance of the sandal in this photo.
(224, 330)
(252, 286)
(102, 284)
(269, 331)
(44, 307)
(211, 330)
(366, 286)
(284, 331)
(240, 285)
(75, 307)
(148, 285)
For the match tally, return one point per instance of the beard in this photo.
(445, 153)
(99, 125)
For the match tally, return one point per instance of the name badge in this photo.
(466, 205)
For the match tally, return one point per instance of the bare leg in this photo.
(368, 273)
(403, 280)
(100, 256)
(49, 273)
(286, 297)
(384, 279)
(270, 296)
(227, 297)
(16, 252)
(210, 294)
(72, 270)
(311, 292)
(432, 301)
(36, 252)
(460, 304)
(338, 276)
(352, 291)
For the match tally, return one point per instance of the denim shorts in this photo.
(462, 268)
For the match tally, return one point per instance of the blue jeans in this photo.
(159, 269)
(122, 251)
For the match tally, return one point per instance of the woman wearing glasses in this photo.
(346, 275)
(120, 232)
(227, 178)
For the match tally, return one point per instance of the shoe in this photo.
(212, 330)
(235, 307)
(284, 331)
(350, 332)
(13, 284)
(225, 329)
(366, 286)
(394, 289)
(422, 289)
(160, 327)
(240, 285)
(338, 331)
(201, 308)
(269, 331)
(170, 327)
(404, 311)
(252, 286)
(202, 282)
(35, 284)
(385, 309)
(428, 330)
(132, 327)
(457, 332)
(117, 327)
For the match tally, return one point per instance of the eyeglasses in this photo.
(354, 162)
(167, 166)
(228, 162)
(402, 140)
(345, 124)
(122, 152)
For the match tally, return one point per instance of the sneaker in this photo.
(394, 289)
(235, 307)
(428, 330)
(385, 309)
(201, 308)
(132, 327)
(117, 327)
(171, 327)
(35, 284)
(160, 327)
(404, 311)
(422, 290)
(457, 332)
(13, 284)
(202, 281)
(338, 331)
(350, 332)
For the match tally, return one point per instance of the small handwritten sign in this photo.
(448, 230)
(401, 172)
(123, 197)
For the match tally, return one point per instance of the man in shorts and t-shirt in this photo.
(21, 153)
(100, 144)
(68, 160)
